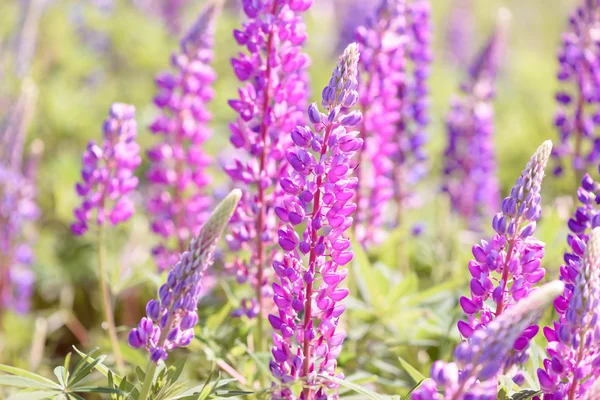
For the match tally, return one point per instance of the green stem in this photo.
(148, 381)
(108, 311)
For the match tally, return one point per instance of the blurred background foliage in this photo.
(404, 303)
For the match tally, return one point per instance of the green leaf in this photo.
(21, 382)
(84, 371)
(139, 372)
(29, 375)
(413, 389)
(412, 371)
(176, 369)
(38, 395)
(369, 394)
(59, 372)
(525, 394)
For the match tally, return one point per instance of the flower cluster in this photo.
(505, 268)
(479, 359)
(460, 32)
(107, 172)
(170, 319)
(178, 203)
(319, 191)
(394, 106)
(469, 159)
(578, 99)
(349, 15)
(574, 344)
(269, 104)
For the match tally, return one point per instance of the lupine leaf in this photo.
(412, 371)
(369, 394)
(525, 394)
(28, 375)
(37, 395)
(21, 382)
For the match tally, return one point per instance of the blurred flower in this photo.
(178, 201)
(505, 269)
(574, 341)
(479, 359)
(394, 67)
(579, 97)
(107, 174)
(469, 160)
(350, 14)
(460, 32)
(170, 319)
(270, 102)
(318, 194)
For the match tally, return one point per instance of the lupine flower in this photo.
(18, 206)
(470, 177)
(269, 104)
(353, 14)
(479, 359)
(170, 319)
(505, 268)
(179, 203)
(574, 341)
(394, 66)
(107, 174)
(460, 32)
(318, 196)
(578, 99)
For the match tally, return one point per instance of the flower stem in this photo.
(148, 381)
(108, 311)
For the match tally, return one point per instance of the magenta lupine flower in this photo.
(574, 341)
(478, 360)
(178, 200)
(470, 177)
(170, 319)
(107, 174)
(505, 268)
(578, 100)
(319, 189)
(270, 101)
(394, 66)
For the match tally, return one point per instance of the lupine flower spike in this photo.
(505, 268)
(394, 67)
(470, 177)
(108, 172)
(170, 319)
(578, 100)
(273, 72)
(460, 32)
(319, 191)
(478, 360)
(178, 201)
(18, 206)
(574, 342)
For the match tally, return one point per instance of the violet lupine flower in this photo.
(319, 190)
(350, 14)
(170, 319)
(574, 341)
(179, 203)
(108, 172)
(578, 100)
(393, 42)
(460, 32)
(506, 267)
(470, 177)
(479, 359)
(269, 104)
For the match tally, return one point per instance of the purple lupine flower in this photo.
(349, 15)
(478, 360)
(394, 106)
(107, 174)
(319, 190)
(578, 100)
(170, 319)
(574, 341)
(505, 268)
(470, 177)
(178, 202)
(269, 104)
(18, 206)
(460, 31)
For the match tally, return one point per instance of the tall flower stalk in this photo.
(319, 189)
(505, 269)
(470, 177)
(274, 74)
(479, 359)
(178, 200)
(394, 67)
(107, 180)
(573, 342)
(170, 319)
(578, 100)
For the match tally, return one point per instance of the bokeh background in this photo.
(82, 55)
